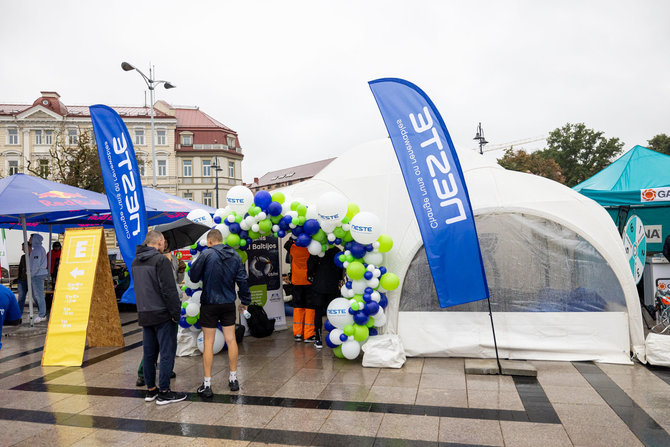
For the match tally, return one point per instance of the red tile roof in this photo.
(197, 118)
(293, 173)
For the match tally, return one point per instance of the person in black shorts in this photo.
(219, 268)
(326, 279)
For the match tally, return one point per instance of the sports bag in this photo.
(259, 323)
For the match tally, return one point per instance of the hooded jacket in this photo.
(325, 274)
(155, 288)
(220, 268)
(38, 257)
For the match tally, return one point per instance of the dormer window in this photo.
(186, 139)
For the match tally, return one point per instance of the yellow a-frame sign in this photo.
(84, 304)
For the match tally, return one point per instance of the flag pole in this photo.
(493, 329)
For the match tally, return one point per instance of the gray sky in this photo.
(291, 77)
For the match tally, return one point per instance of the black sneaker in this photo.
(311, 339)
(234, 385)
(318, 344)
(168, 397)
(205, 391)
(151, 395)
(297, 338)
(140, 381)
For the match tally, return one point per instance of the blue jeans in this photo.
(38, 294)
(23, 292)
(159, 339)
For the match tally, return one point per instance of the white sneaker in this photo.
(39, 319)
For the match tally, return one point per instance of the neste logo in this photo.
(336, 311)
(362, 229)
(331, 217)
(233, 200)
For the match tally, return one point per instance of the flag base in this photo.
(508, 367)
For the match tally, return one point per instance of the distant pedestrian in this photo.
(158, 310)
(54, 261)
(22, 281)
(303, 311)
(220, 269)
(39, 274)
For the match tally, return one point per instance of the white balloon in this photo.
(365, 227)
(261, 216)
(375, 296)
(223, 228)
(374, 282)
(245, 226)
(334, 336)
(351, 349)
(256, 228)
(380, 318)
(331, 237)
(314, 247)
(231, 218)
(192, 309)
(275, 228)
(195, 298)
(200, 216)
(338, 313)
(190, 284)
(219, 341)
(346, 227)
(359, 286)
(328, 227)
(311, 212)
(344, 289)
(194, 329)
(375, 259)
(331, 207)
(239, 199)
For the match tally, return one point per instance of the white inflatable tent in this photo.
(561, 287)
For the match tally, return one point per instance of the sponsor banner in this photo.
(436, 188)
(265, 278)
(122, 185)
(655, 194)
(654, 234)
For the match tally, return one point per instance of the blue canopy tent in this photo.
(638, 183)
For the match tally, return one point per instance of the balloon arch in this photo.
(332, 221)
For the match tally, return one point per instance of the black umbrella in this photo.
(181, 233)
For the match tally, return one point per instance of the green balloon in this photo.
(361, 333)
(349, 257)
(295, 221)
(238, 218)
(243, 242)
(302, 220)
(294, 206)
(254, 210)
(278, 197)
(324, 247)
(243, 255)
(348, 330)
(356, 270)
(352, 210)
(354, 306)
(265, 225)
(301, 209)
(191, 320)
(347, 237)
(339, 232)
(345, 220)
(184, 305)
(184, 288)
(338, 352)
(275, 219)
(233, 240)
(389, 281)
(385, 243)
(194, 246)
(360, 300)
(320, 236)
(254, 235)
(371, 322)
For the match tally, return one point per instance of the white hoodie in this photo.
(38, 257)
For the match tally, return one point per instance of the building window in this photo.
(141, 167)
(44, 168)
(162, 168)
(188, 168)
(231, 169)
(187, 140)
(139, 137)
(207, 198)
(161, 137)
(12, 135)
(48, 137)
(38, 137)
(72, 137)
(188, 195)
(12, 167)
(231, 142)
(207, 168)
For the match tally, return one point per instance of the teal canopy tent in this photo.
(636, 183)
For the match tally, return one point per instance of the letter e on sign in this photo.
(80, 249)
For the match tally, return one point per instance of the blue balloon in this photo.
(337, 241)
(183, 323)
(311, 227)
(383, 270)
(360, 317)
(298, 231)
(367, 297)
(373, 331)
(217, 219)
(274, 209)
(351, 311)
(202, 247)
(347, 246)
(183, 311)
(369, 247)
(349, 284)
(234, 228)
(328, 325)
(189, 264)
(262, 199)
(371, 308)
(285, 223)
(244, 234)
(383, 302)
(197, 325)
(281, 233)
(369, 290)
(338, 261)
(367, 275)
(193, 251)
(189, 292)
(303, 240)
(330, 344)
(219, 327)
(357, 250)
(344, 337)
(244, 247)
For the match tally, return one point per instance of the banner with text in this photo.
(265, 278)
(436, 188)
(122, 185)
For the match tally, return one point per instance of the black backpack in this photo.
(259, 323)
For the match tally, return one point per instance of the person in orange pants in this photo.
(303, 317)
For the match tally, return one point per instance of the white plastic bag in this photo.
(187, 342)
(383, 351)
(658, 349)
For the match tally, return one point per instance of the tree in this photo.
(73, 164)
(660, 143)
(533, 163)
(580, 152)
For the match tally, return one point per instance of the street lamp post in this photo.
(151, 83)
(217, 168)
(480, 137)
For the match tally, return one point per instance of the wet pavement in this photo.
(294, 394)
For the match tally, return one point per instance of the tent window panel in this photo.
(532, 265)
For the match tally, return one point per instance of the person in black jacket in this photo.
(158, 311)
(326, 278)
(219, 268)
